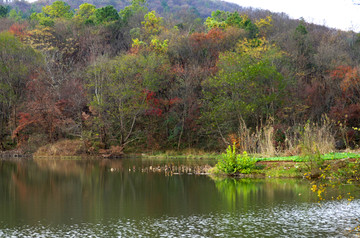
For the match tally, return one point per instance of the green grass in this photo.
(287, 171)
(330, 156)
(216, 156)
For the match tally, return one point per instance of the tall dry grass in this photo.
(258, 141)
(311, 136)
(318, 136)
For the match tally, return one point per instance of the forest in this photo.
(134, 80)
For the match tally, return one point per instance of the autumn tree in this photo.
(200, 49)
(59, 50)
(346, 106)
(119, 89)
(151, 28)
(55, 97)
(51, 112)
(19, 30)
(17, 63)
(248, 87)
(264, 25)
(188, 90)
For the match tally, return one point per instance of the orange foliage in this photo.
(340, 72)
(347, 102)
(215, 35)
(45, 112)
(19, 30)
(207, 46)
(25, 120)
(349, 80)
(234, 140)
(210, 40)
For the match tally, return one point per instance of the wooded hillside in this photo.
(200, 8)
(128, 77)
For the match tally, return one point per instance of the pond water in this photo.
(124, 198)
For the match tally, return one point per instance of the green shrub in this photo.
(231, 163)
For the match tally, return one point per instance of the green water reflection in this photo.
(61, 191)
(254, 192)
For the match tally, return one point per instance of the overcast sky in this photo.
(341, 14)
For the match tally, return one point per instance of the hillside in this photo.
(202, 8)
(137, 80)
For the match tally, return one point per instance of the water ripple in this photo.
(330, 219)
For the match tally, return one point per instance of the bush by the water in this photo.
(231, 163)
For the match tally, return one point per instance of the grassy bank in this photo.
(299, 158)
(274, 167)
(309, 163)
(198, 154)
(250, 165)
(292, 169)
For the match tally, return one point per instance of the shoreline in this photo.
(264, 168)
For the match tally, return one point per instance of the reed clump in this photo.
(270, 141)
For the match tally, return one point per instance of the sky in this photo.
(340, 14)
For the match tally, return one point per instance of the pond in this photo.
(128, 197)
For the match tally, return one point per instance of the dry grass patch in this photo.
(62, 148)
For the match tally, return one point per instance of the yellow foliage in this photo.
(211, 23)
(42, 39)
(159, 46)
(152, 23)
(257, 48)
(264, 25)
(137, 43)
